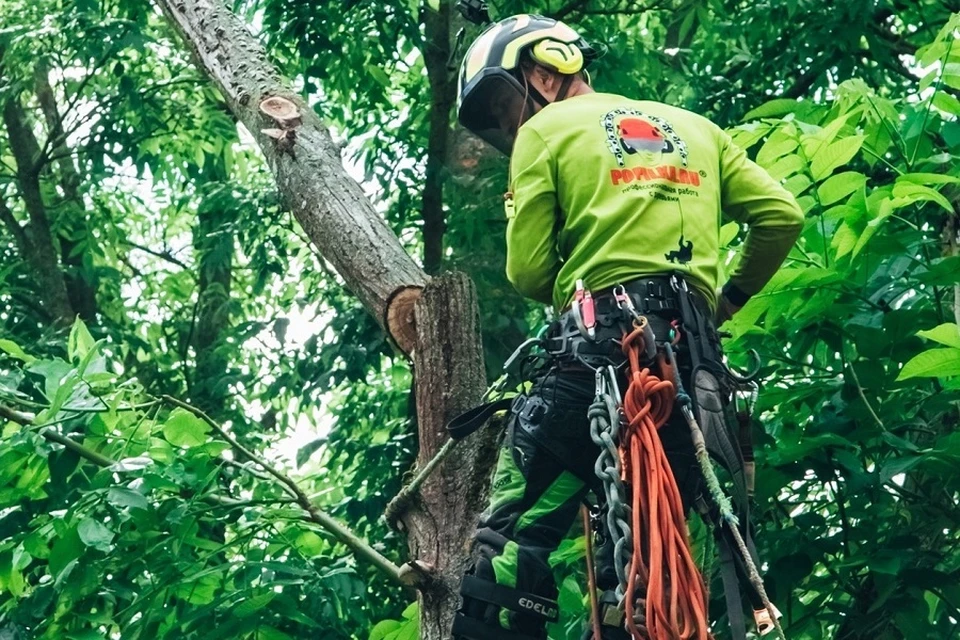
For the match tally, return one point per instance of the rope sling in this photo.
(653, 550)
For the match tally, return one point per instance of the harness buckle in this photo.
(678, 284)
(763, 620)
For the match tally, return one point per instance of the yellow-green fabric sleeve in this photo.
(774, 219)
(532, 257)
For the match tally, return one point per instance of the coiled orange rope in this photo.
(676, 600)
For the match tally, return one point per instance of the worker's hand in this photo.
(725, 309)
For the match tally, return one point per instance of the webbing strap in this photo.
(731, 590)
(509, 598)
(469, 421)
(473, 629)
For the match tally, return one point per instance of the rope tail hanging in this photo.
(716, 493)
(676, 598)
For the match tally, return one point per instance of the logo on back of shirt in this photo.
(652, 162)
(649, 138)
(643, 139)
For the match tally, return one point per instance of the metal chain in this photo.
(605, 420)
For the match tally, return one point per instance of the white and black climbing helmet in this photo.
(491, 83)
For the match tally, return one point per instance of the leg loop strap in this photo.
(508, 598)
(465, 628)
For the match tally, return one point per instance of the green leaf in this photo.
(379, 75)
(835, 154)
(885, 209)
(946, 102)
(947, 334)
(310, 544)
(412, 611)
(80, 341)
(11, 348)
(728, 232)
(797, 184)
(772, 109)
(935, 363)
(383, 628)
(844, 240)
(778, 145)
(912, 192)
(786, 166)
(122, 497)
(928, 178)
(86, 634)
(839, 186)
(254, 604)
(270, 633)
(885, 563)
(66, 549)
(184, 429)
(94, 534)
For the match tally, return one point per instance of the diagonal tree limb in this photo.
(404, 576)
(330, 206)
(342, 533)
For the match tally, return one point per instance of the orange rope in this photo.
(676, 603)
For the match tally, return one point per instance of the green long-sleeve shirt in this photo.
(609, 189)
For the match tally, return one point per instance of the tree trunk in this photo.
(443, 88)
(42, 256)
(440, 528)
(80, 282)
(214, 246)
(350, 234)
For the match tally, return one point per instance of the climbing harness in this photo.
(632, 333)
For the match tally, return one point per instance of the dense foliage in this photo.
(130, 199)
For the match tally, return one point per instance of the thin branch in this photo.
(343, 534)
(163, 255)
(856, 382)
(53, 435)
(405, 576)
(15, 228)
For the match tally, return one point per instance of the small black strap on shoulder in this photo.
(470, 421)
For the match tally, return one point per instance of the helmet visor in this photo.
(495, 108)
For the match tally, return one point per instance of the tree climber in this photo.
(613, 217)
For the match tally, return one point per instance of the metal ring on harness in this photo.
(754, 371)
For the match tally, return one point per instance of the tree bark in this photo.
(214, 246)
(329, 205)
(42, 256)
(350, 234)
(81, 284)
(443, 88)
(440, 528)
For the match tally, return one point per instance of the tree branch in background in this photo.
(15, 228)
(404, 576)
(436, 55)
(43, 256)
(80, 280)
(163, 255)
